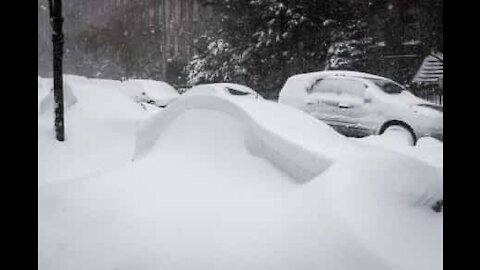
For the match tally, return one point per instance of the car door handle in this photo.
(344, 106)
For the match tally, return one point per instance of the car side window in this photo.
(352, 88)
(325, 86)
(388, 87)
(391, 88)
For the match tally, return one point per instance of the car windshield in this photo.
(388, 87)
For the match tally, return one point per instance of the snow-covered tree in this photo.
(265, 41)
(349, 47)
(217, 63)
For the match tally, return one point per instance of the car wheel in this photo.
(401, 132)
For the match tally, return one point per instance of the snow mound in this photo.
(47, 102)
(44, 86)
(271, 142)
(99, 130)
(390, 137)
(223, 89)
(385, 203)
(196, 197)
(157, 92)
(427, 149)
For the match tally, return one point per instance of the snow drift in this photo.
(427, 149)
(267, 141)
(223, 89)
(100, 129)
(46, 99)
(210, 188)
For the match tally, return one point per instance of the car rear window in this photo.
(388, 87)
(236, 92)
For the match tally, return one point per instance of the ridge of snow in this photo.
(277, 146)
(196, 197)
(45, 96)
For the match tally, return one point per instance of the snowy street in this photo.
(217, 181)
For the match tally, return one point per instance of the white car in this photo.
(361, 104)
(231, 89)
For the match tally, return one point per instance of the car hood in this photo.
(419, 105)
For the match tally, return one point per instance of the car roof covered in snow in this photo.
(344, 73)
(154, 88)
(299, 83)
(221, 87)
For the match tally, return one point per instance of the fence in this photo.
(432, 93)
(433, 97)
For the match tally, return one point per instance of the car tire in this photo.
(401, 129)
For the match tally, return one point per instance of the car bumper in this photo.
(438, 136)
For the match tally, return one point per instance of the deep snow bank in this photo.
(198, 199)
(223, 89)
(47, 101)
(427, 149)
(276, 143)
(386, 204)
(99, 127)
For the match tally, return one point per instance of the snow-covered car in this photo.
(231, 89)
(153, 92)
(361, 104)
(216, 182)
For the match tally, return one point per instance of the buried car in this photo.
(219, 182)
(231, 89)
(361, 104)
(157, 93)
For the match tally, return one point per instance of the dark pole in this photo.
(164, 41)
(56, 21)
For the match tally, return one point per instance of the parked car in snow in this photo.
(231, 89)
(152, 92)
(361, 104)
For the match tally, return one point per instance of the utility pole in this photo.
(56, 21)
(164, 39)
